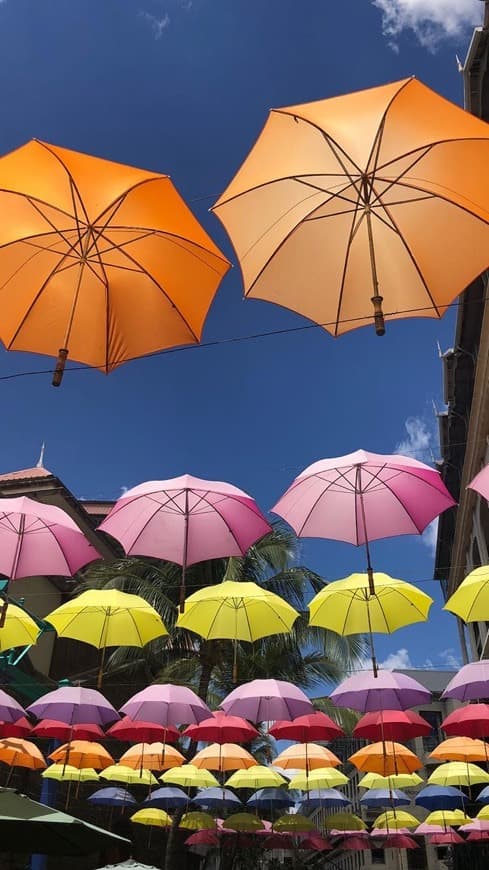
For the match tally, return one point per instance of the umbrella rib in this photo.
(393, 182)
(174, 238)
(380, 130)
(430, 147)
(215, 508)
(351, 237)
(73, 183)
(412, 186)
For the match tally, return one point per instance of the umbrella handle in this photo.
(378, 314)
(60, 367)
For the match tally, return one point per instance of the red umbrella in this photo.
(279, 841)
(399, 841)
(129, 730)
(220, 728)
(477, 836)
(21, 728)
(448, 838)
(355, 844)
(202, 838)
(52, 729)
(470, 721)
(400, 725)
(311, 727)
(315, 842)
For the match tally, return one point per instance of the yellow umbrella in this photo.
(395, 819)
(400, 780)
(471, 600)
(322, 777)
(255, 777)
(223, 756)
(82, 753)
(447, 817)
(18, 629)
(236, 611)
(291, 823)
(306, 756)
(68, 773)
(197, 821)
(152, 817)
(458, 773)
(121, 773)
(344, 822)
(460, 749)
(386, 758)
(483, 813)
(189, 776)
(107, 617)
(243, 822)
(153, 756)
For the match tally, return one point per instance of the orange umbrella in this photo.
(100, 261)
(223, 756)
(306, 756)
(386, 758)
(380, 196)
(82, 753)
(460, 749)
(152, 756)
(21, 753)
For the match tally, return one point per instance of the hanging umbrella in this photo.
(345, 832)
(203, 838)
(307, 756)
(185, 520)
(384, 797)
(322, 777)
(460, 749)
(221, 728)
(383, 833)
(112, 797)
(244, 822)
(470, 683)
(68, 773)
(223, 756)
(269, 799)
(83, 753)
(217, 798)
(447, 838)
(168, 798)
(329, 798)
(344, 822)
(423, 830)
(315, 843)
(458, 773)
(266, 701)
(50, 729)
(399, 841)
(131, 731)
(278, 843)
(189, 776)
(480, 483)
(476, 825)
(236, 611)
(483, 813)
(255, 777)
(166, 705)
(470, 721)
(435, 797)
(105, 618)
(152, 817)
(312, 726)
(21, 728)
(74, 705)
(389, 690)
(128, 776)
(293, 823)
(355, 844)
(17, 628)
(196, 821)
(386, 758)
(478, 836)
(470, 601)
(10, 710)
(483, 796)
(447, 817)
(395, 819)
(122, 268)
(153, 756)
(17, 752)
(400, 780)
(400, 725)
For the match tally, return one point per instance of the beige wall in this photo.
(40, 598)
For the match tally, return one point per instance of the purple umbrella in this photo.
(267, 701)
(470, 683)
(75, 706)
(166, 705)
(185, 520)
(386, 691)
(10, 710)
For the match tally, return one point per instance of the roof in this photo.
(435, 681)
(26, 474)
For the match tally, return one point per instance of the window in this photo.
(378, 856)
(433, 717)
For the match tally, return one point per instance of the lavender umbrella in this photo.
(75, 706)
(385, 691)
(185, 520)
(470, 683)
(166, 705)
(10, 710)
(267, 701)
(112, 797)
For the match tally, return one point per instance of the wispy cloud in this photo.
(158, 23)
(418, 440)
(431, 21)
(401, 660)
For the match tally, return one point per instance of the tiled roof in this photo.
(26, 474)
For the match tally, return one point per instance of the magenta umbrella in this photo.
(267, 701)
(185, 520)
(74, 705)
(202, 838)
(10, 710)
(470, 683)
(166, 705)
(387, 690)
(399, 841)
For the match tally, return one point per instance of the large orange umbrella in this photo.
(21, 753)
(372, 202)
(153, 756)
(386, 758)
(306, 756)
(223, 756)
(82, 753)
(460, 749)
(100, 261)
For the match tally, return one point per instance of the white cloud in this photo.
(450, 658)
(431, 21)
(430, 536)
(158, 23)
(399, 659)
(418, 440)
(124, 489)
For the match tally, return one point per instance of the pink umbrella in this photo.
(424, 829)
(480, 483)
(388, 690)
(166, 705)
(399, 841)
(74, 705)
(470, 683)
(476, 825)
(384, 833)
(185, 520)
(337, 832)
(267, 701)
(447, 838)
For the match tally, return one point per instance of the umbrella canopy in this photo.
(68, 773)
(447, 817)
(18, 629)
(128, 776)
(83, 753)
(458, 773)
(17, 752)
(437, 797)
(223, 756)
(189, 776)
(291, 823)
(10, 709)
(221, 728)
(389, 690)
(75, 706)
(383, 833)
(111, 241)
(470, 721)
(480, 483)
(476, 825)
(386, 758)
(400, 780)
(400, 725)
(167, 798)
(267, 700)
(270, 798)
(166, 705)
(217, 798)
(395, 819)
(344, 822)
(399, 841)
(128, 730)
(384, 797)
(470, 683)
(478, 836)
(315, 843)
(21, 728)
(483, 796)
(339, 187)
(483, 813)
(40, 539)
(196, 821)
(203, 838)
(312, 726)
(460, 749)
(244, 822)
(322, 777)
(447, 838)
(255, 777)
(279, 842)
(423, 829)
(185, 520)
(329, 798)
(307, 756)
(355, 844)
(51, 729)
(112, 797)
(152, 817)
(470, 601)
(153, 756)
(34, 828)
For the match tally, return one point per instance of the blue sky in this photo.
(184, 87)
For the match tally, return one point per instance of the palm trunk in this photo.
(173, 844)
(207, 666)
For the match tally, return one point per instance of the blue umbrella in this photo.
(382, 797)
(437, 797)
(325, 797)
(483, 796)
(268, 798)
(168, 798)
(112, 797)
(217, 798)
